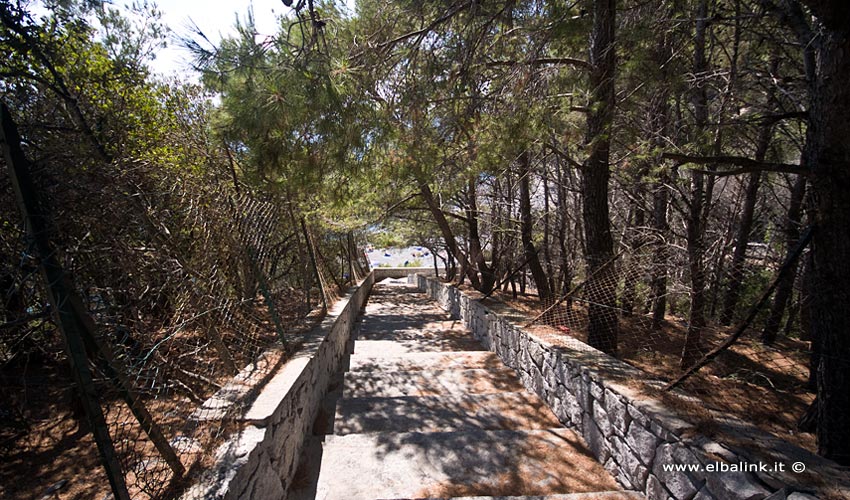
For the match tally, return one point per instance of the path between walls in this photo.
(425, 411)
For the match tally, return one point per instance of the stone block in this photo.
(577, 413)
(642, 443)
(638, 416)
(616, 445)
(280, 442)
(704, 494)
(581, 389)
(241, 445)
(655, 490)
(536, 352)
(676, 482)
(595, 440)
(738, 485)
(666, 419)
(683, 455)
(523, 348)
(624, 479)
(632, 466)
(717, 452)
(770, 480)
(552, 359)
(600, 416)
(661, 432)
(614, 469)
(512, 337)
(267, 483)
(559, 408)
(797, 495)
(617, 410)
(597, 391)
(535, 381)
(782, 494)
(550, 382)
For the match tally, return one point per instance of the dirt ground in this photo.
(43, 444)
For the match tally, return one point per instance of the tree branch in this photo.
(747, 164)
(455, 216)
(555, 149)
(389, 211)
(774, 118)
(426, 29)
(564, 61)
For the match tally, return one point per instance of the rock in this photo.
(677, 482)
(597, 391)
(618, 412)
(797, 495)
(738, 485)
(704, 494)
(638, 416)
(642, 442)
(782, 494)
(655, 490)
(268, 483)
(631, 465)
(536, 352)
(600, 416)
(596, 441)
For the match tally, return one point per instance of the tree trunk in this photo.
(658, 282)
(529, 251)
(547, 235)
(565, 276)
(476, 252)
(629, 295)
(448, 235)
(828, 157)
(786, 286)
(496, 237)
(692, 350)
(599, 243)
(659, 119)
(742, 238)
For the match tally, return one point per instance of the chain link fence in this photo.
(759, 366)
(185, 292)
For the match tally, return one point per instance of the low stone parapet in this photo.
(643, 443)
(401, 272)
(259, 461)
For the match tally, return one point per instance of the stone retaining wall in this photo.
(632, 434)
(260, 461)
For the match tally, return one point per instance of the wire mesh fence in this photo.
(185, 291)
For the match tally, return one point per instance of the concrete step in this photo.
(455, 464)
(454, 360)
(401, 315)
(507, 410)
(411, 329)
(392, 348)
(429, 383)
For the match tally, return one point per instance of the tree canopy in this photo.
(657, 160)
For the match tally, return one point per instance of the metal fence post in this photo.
(59, 291)
(312, 252)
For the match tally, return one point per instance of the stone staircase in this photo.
(423, 412)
